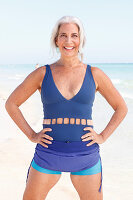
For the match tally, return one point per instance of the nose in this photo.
(68, 39)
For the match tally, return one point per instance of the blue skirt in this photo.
(67, 156)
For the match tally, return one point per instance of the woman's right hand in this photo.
(41, 137)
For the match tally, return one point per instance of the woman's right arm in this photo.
(31, 83)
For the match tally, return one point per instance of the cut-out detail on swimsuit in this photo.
(83, 82)
(68, 121)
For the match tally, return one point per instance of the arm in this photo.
(113, 97)
(31, 83)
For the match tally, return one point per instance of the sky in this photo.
(26, 26)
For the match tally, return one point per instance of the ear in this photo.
(56, 42)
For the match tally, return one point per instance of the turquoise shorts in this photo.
(92, 170)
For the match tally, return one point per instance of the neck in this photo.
(69, 62)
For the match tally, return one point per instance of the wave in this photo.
(116, 81)
(16, 77)
(127, 95)
(126, 83)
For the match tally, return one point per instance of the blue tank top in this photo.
(56, 106)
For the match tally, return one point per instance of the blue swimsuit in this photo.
(67, 153)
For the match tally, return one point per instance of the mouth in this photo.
(69, 48)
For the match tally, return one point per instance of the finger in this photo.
(47, 136)
(46, 141)
(88, 138)
(46, 129)
(86, 135)
(88, 128)
(90, 143)
(43, 144)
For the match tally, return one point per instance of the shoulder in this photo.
(98, 73)
(37, 76)
(95, 71)
(41, 71)
(99, 76)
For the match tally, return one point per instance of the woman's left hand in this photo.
(92, 135)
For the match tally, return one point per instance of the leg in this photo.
(87, 183)
(39, 183)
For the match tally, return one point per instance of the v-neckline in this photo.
(76, 93)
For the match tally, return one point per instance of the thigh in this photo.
(39, 183)
(88, 182)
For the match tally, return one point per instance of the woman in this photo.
(67, 89)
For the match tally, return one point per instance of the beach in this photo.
(16, 150)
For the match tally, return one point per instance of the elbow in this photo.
(7, 105)
(10, 105)
(123, 109)
(126, 110)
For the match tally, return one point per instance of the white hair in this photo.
(55, 31)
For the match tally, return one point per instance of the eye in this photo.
(62, 35)
(75, 36)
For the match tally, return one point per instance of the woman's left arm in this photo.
(113, 97)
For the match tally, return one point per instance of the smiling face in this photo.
(68, 39)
